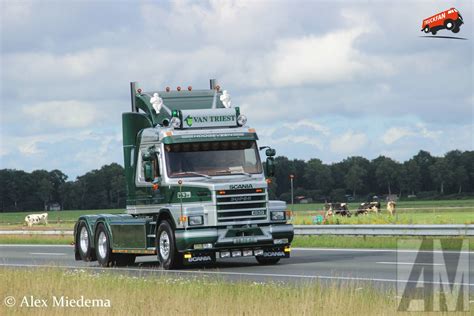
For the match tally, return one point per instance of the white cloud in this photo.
(68, 114)
(300, 139)
(349, 143)
(309, 124)
(395, 133)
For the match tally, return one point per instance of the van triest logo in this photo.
(189, 120)
(240, 186)
(450, 19)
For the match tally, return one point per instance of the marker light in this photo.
(190, 88)
(241, 120)
(139, 91)
(175, 122)
(218, 87)
(259, 190)
(168, 89)
(178, 88)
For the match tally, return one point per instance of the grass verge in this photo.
(185, 296)
(371, 242)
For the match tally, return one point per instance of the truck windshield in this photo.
(218, 158)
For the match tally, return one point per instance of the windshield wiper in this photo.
(232, 173)
(192, 172)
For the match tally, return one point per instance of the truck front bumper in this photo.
(235, 237)
(205, 245)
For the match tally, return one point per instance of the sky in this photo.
(316, 79)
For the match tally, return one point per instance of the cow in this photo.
(337, 209)
(391, 205)
(34, 219)
(368, 207)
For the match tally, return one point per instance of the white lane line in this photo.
(379, 250)
(47, 254)
(296, 276)
(411, 263)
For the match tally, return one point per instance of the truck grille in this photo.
(241, 205)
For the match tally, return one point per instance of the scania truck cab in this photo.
(197, 190)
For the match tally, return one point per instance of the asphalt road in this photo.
(381, 267)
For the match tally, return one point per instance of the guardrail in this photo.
(347, 230)
(388, 230)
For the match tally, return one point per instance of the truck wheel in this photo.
(449, 24)
(102, 247)
(83, 243)
(267, 261)
(433, 32)
(455, 30)
(426, 29)
(166, 247)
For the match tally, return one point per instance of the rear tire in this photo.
(83, 243)
(168, 256)
(102, 247)
(455, 30)
(434, 32)
(426, 29)
(267, 261)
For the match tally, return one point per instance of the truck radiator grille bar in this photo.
(241, 205)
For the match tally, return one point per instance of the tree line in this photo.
(424, 176)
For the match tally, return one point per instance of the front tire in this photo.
(267, 261)
(426, 29)
(449, 24)
(168, 256)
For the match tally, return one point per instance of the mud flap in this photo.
(280, 252)
(199, 258)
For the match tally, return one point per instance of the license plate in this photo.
(245, 240)
(258, 213)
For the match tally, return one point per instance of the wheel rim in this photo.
(164, 245)
(449, 25)
(102, 245)
(84, 240)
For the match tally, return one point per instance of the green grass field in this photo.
(175, 295)
(57, 219)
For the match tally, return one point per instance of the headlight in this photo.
(195, 220)
(278, 216)
(175, 122)
(241, 120)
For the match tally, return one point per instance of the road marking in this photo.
(380, 250)
(412, 264)
(48, 254)
(296, 276)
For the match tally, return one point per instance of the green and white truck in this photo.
(197, 190)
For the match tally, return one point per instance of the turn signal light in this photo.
(259, 190)
(221, 192)
(183, 218)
